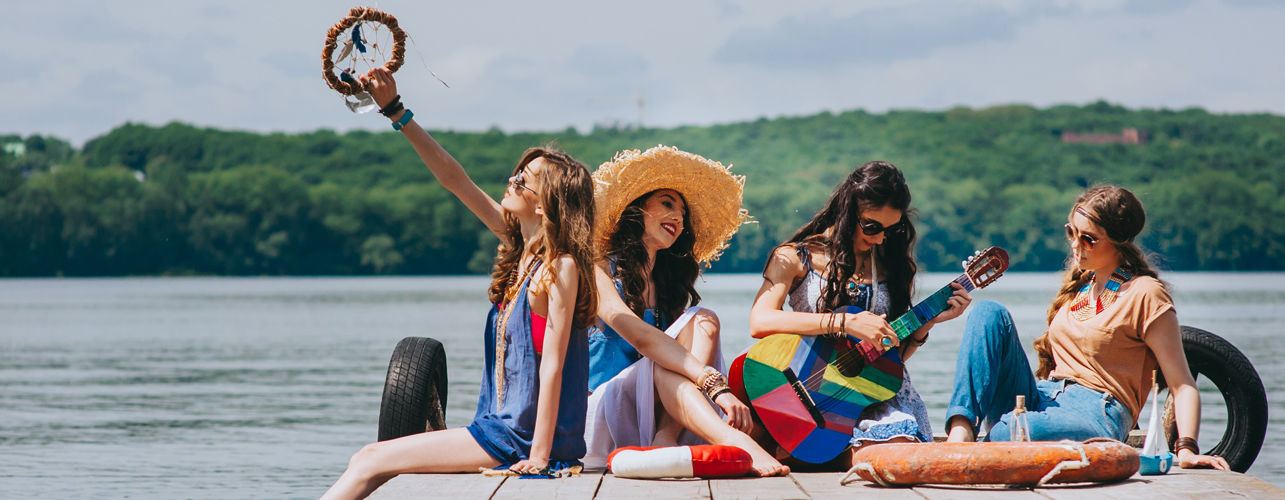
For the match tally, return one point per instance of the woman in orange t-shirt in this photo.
(1110, 326)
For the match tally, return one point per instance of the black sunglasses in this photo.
(1086, 238)
(872, 227)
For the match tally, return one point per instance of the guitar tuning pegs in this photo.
(964, 264)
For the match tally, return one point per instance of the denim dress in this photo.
(504, 424)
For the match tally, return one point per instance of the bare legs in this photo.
(686, 407)
(450, 450)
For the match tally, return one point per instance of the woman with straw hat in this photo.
(661, 214)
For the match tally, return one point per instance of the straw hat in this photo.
(713, 194)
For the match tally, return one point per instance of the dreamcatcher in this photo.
(369, 38)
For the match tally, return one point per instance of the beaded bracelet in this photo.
(1186, 443)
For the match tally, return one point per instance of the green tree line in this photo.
(178, 199)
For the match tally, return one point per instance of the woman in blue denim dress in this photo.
(531, 407)
(1111, 326)
(857, 250)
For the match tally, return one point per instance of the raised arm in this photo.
(767, 315)
(379, 82)
(1164, 338)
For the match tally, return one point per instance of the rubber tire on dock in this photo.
(1223, 364)
(415, 389)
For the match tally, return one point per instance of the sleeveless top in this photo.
(806, 295)
(905, 415)
(504, 424)
(609, 353)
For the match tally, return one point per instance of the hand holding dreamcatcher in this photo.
(370, 39)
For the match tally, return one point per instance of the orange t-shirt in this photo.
(1108, 352)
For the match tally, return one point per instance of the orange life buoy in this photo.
(1025, 463)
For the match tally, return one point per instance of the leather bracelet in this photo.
(392, 109)
(1186, 443)
(392, 106)
(920, 341)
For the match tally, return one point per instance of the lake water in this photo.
(263, 387)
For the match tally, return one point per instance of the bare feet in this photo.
(765, 464)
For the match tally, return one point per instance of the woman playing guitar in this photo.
(856, 251)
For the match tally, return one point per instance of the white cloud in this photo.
(75, 69)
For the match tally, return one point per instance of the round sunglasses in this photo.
(518, 182)
(1085, 238)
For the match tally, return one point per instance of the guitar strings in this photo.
(846, 356)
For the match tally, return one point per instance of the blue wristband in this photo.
(397, 125)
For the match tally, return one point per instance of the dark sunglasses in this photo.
(872, 227)
(1087, 239)
(518, 182)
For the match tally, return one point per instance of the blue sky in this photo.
(77, 69)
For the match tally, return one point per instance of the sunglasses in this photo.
(1087, 239)
(518, 182)
(872, 227)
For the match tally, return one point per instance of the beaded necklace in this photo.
(1080, 309)
(506, 310)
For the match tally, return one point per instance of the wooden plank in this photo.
(580, 487)
(653, 489)
(977, 493)
(826, 485)
(1178, 483)
(464, 486)
(763, 487)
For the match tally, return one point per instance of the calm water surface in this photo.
(263, 387)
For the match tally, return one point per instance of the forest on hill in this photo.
(177, 199)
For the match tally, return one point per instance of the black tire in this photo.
(414, 390)
(1223, 364)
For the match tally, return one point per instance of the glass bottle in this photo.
(1019, 427)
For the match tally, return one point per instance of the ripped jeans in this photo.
(992, 370)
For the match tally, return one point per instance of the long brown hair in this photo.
(673, 274)
(566, 229)
(871, 185)
(1118, 212)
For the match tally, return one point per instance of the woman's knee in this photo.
(704, 325)
(989, 317)
(366, 461)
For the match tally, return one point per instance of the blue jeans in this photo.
(992, 370)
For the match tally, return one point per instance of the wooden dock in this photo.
(1179, 483)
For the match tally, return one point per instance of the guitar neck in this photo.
(929, 308)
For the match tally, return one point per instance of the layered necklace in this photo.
(1086, 306)
(501, 326)
(853, 287)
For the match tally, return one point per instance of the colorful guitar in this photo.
(809, 390)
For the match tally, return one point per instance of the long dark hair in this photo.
(566, 229)
(675, 270)
(872, 185)
(1118, 212)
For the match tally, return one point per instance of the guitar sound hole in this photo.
(850, 362)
